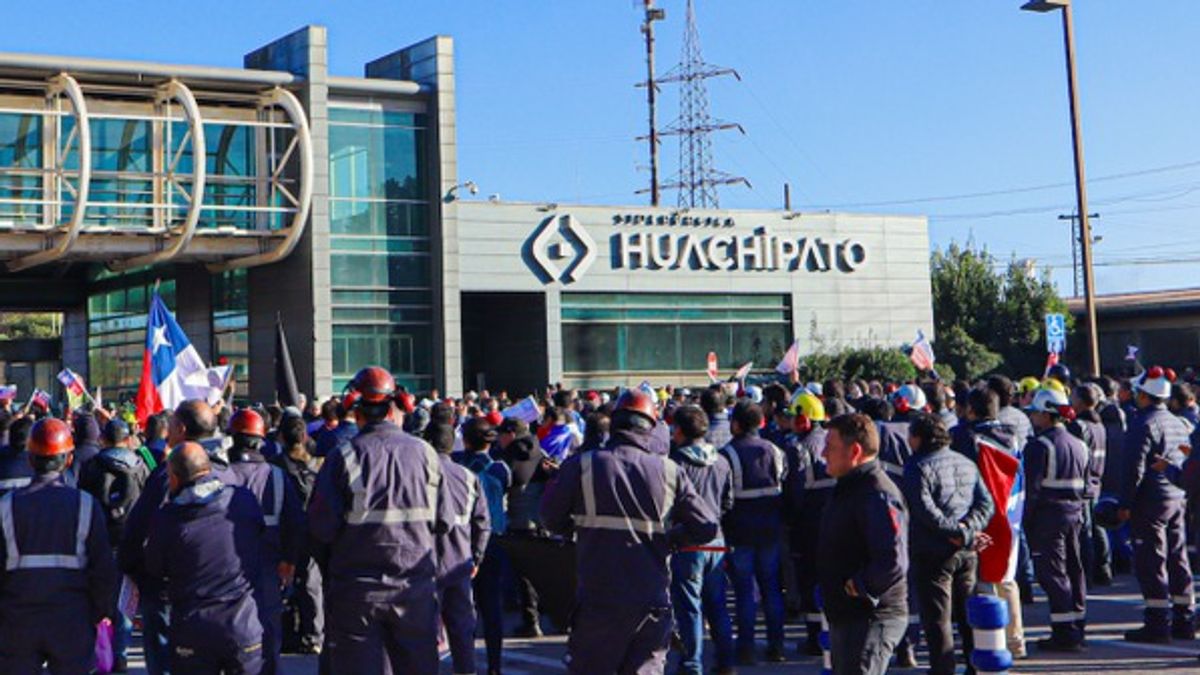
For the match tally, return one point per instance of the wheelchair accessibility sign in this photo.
(1056, 333)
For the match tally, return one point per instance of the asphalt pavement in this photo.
(1111, 611)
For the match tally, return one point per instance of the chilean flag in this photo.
(172, 370)
(1000, 472)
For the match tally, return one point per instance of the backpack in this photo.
(118, 478)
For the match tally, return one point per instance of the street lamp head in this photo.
(1045, 5)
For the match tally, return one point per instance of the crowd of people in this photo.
(379, 524)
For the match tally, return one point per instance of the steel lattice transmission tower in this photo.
(697, 180)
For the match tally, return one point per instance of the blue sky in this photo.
(866, 106)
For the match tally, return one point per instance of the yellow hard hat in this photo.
(663, 396)
(808, 405)
(1028, 384)
(1051, 383)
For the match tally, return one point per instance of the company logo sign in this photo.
(760, 251)
(561, 249)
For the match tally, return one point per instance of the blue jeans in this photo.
(698, 593)
(751, 563)
(122, 627)
(155, 619)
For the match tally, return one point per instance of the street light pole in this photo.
(1085, 227)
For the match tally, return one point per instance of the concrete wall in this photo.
(297, 288)
(881, 300)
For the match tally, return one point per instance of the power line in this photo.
(1013, 190)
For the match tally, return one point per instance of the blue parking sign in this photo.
(1056, 333)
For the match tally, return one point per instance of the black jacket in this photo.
(994, 432)
(946, 499)
(1088, 428)
(864, 539)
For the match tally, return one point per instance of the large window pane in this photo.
(590, 347)
(394, 219)
(387, 271)
(761, 343)
(672, 332)
(374, 162)
(698, 339)
(652, 347)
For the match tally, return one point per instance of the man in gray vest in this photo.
(377, 505)
(617, 501)
(57, 575)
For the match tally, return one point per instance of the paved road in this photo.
(1111, 611)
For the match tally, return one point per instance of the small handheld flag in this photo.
(40, 399)
(742, 372)
(791, 360)
(922, 352)
(8, 392)
(76, 390)
(1051, 361)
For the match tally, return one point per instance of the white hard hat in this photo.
(755, 393)
(1156, 381)
(912, 395)
(1048, 400)
(815, 388)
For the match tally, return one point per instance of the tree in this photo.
(21, 325)
(988, 315)
(874, 363)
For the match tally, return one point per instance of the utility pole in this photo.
(1081, 207)
(1092, 333)
(652, 14)
(1076, 240)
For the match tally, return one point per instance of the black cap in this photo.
(116, 431)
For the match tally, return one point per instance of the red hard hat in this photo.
(247, 422)
(638, 401)
(50, 437)
(406, 402)
(370, 385)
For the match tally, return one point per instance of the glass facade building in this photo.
(333, 204)
(380, 256)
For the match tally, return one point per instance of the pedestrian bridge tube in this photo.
(81, 134)
(175, 90)
(302, 144)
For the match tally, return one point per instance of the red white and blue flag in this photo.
(791, 360)
(72, 382)
(922, 352)
(172, 370)
(40, 398)
(1000, 472)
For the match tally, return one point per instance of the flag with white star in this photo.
(172, 370)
